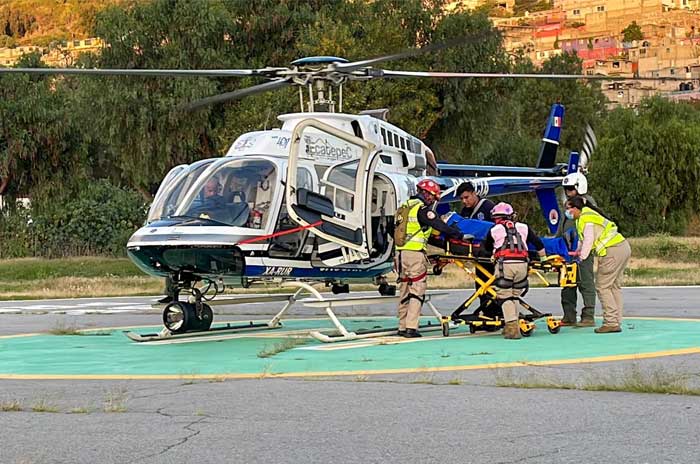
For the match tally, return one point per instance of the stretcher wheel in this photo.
(437, 270)
(445, 329)
(526, 333)
(554, 330)
(472, 329)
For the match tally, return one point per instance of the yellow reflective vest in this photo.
(416, 238)
(609, 237)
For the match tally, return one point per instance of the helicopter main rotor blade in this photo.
(238, 94)
(467, 75)
(136, 72)
(347, 67)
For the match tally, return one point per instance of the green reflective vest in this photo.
(416, 238)
(609, 237)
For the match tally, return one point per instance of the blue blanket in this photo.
(480, 229)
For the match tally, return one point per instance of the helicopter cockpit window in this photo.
(173, 190)
(235, 193)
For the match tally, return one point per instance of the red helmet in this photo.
(429, 186)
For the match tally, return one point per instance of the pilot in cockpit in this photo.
(212, 193)
(238, 189)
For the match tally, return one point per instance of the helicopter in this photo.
(314, 200)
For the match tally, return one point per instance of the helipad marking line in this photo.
(595, 359)
(388, 340)
(21, 335)
(141, 326)
(274, 334)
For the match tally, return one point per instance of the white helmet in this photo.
(577, 181)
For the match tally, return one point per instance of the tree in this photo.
(469, 108)
(632, 32)
(40, 147)
(649, 164)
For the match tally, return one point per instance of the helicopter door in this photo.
(338, 214)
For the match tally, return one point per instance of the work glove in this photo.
(543, 259)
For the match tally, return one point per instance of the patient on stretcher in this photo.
(479, 229)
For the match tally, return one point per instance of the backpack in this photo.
(401, 224)
(513, 246)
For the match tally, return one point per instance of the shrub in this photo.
(99, 220)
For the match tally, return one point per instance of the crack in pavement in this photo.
(182, 441)
(527, 458)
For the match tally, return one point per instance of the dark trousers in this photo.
(586, 286)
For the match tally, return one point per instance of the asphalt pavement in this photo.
(462, 416)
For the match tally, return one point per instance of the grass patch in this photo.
(24, 269)
(43, 405)
(426, 379)
(630, 380)
(280, 347)
(80, 410)
(115, 400)
(10, 406)
(79, 287)
(455, 381)
(62, 329)
(667, 248)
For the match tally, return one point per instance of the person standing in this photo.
(598, 236)
(576, 184)
(415, 223)
(508, 241)
(475, 207)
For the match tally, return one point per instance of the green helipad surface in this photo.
(109, 354)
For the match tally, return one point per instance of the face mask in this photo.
(568, 214)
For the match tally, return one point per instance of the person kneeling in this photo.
(507, 242)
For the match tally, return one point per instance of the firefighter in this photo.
(598, 236)
(508, 240)
(415, 222)
(575, 184)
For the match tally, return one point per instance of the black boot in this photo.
(412, 333)
(401, 333)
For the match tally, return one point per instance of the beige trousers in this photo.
(515, 271)
(608, 282)
(411, 264)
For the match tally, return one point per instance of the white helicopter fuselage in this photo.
(261, 241)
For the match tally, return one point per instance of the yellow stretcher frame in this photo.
(553, 263)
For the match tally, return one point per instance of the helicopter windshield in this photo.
(173, 189)
(235, 193)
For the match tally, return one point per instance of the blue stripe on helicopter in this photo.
(574, 159)
(554, 123)
(488, 187)
(317, 272)
(550, 208)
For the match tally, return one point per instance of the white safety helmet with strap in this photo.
(577, 181)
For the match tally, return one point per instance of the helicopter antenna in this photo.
(267, 117)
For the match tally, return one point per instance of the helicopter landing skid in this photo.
(343, 334)
(185, 312)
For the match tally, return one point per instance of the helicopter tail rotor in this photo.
(590, 143)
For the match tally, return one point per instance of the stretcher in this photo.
(489, 317)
